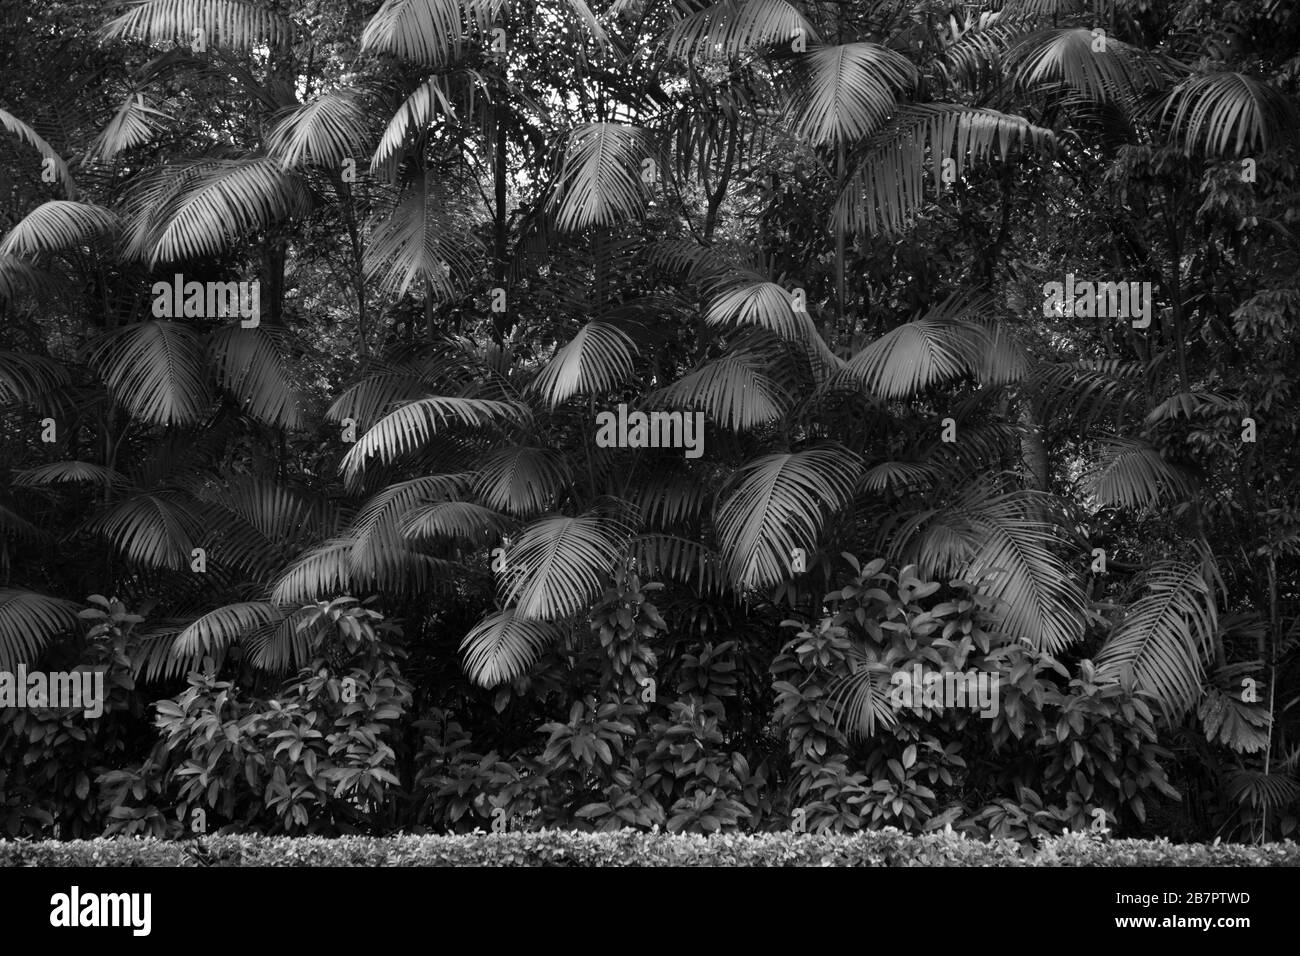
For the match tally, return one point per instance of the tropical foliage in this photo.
(358, 558)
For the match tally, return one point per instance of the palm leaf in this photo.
(678, 559)
(759, 303)
(733, 28)
(225, 201)
(1130, 473)
(732, 391)
(249, 365)
(154, 529)
(1230, 114)
(455, 520)
(415, 423)
(933, 350)
(57, 225)
(156, 370)
(29, 136)
(231, 24)
(331, 128)
(558, 565)
(135, 123)
(1010, 542)
(347, 565)
(599, 180)
(886, 189)
(431, 32)
(1261, 790)
(260, 521)
(901, 477)
(421, 244)
(19, 277)
(27, 379)
(667, 499)
(503, 645)
(842, 93)
(430, 99)
(599, 357)
(1066, 56)
(393, 503)
(28, 622)
(1165, 637)
(780, 502)
(1088, 390)
(69, 472)
(211, 634)
(523, 481)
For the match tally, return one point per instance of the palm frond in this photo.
(860, 700)
(28, 622)
(678, 559)
(734, 28)
(213, 633)
(1230, 114)
(1042, 602)
(351, 565)
(1165, 637)
(19, 278)
(324, 132)
(154, 529)
(56, 225)
(504, 645)
(732, 391)
(746, 299)
(430, 99)
(156, 370)
(254, 523)
(412, 425)
(421, 242)
(1130, 473)
(667, 499)
(29, 136)
(249, 365)
(286, 645)
(430, 32)
(842, 93)
(134, 123)
(69, 472)
(558, 565)
(1066, 56)
(523, 481)
(27, 379)
(222, 202)
(455, 520)
(599, 357)
(389, 506)
(1088, 390)
(599, 180)
(1260, 790)
(901, 477)
(375, 395)
(886, 189)
(229, 24)
(976, 59)
(933, 350)
(780, 502)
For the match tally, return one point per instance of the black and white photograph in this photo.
(747, 435)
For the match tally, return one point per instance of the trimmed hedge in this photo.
(888, 847)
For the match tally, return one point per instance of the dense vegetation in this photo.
(363, 565)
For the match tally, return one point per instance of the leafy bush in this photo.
(313, 758)
(887, 847)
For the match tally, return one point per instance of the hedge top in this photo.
(887, 847)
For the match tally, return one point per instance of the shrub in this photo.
(887, 847)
